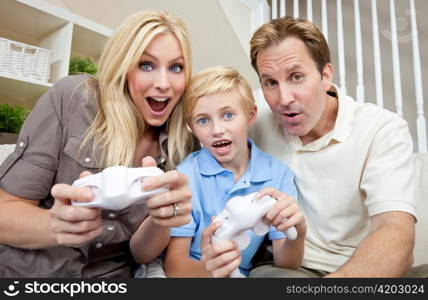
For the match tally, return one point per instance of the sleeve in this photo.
(388, 178)
(29, 171)
(287, 186)
(189, 229)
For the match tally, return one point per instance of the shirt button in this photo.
(110, 228)
(98, 245)
(112, 215)
(87, 159)
(21, 144)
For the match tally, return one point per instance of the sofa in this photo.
(421, 170)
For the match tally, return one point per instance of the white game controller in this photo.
(241, 214)
(118, 187)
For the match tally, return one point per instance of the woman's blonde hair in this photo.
(214, 80)
(118, 124)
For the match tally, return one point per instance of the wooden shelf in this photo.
(19, 88)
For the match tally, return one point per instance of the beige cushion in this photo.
(421, 244)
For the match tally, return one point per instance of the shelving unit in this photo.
(44, 25)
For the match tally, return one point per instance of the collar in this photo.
(257, 168)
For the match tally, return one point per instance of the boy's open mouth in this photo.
(221, 144)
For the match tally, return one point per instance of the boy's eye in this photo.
(145, 66)
(228, 115)
(202, 121)
(177, 68)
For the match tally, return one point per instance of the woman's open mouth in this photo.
(157, 104)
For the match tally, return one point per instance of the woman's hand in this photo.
(285, 213)
(221, 258)
(172, 208)
(73, 225)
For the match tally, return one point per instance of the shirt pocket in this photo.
(14, 156)
(83, 156)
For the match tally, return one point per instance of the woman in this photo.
(83, 124)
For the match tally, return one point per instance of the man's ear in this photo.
(327, 76)
(252, 117)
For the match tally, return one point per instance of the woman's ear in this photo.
(189, 128)
(252, 116)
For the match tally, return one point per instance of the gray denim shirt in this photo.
(46, 154)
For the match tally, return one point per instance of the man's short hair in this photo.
(214, 80)
(277, 30)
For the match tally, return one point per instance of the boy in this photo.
(219, 108)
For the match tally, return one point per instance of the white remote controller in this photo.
(118, 187)
(241, 214)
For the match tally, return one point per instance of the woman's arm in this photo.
(24, 225)
(177, 262)
(152, 236)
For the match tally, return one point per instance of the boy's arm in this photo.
(177, 262)
(286, 253)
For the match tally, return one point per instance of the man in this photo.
(353, 162)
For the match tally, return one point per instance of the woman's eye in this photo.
(176, 68)
(228, 115)
(145, 66)
(202, 121)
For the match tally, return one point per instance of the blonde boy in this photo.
(219, 108)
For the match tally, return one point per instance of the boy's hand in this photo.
(285, 213)
(221, 258)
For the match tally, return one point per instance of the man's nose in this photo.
(286, 95)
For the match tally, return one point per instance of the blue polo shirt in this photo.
(212, 186)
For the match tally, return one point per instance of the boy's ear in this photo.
(252, 117)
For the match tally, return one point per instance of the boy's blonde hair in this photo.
(216, 80)
(118, 125)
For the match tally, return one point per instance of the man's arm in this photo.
(177, 262)
(386, 252)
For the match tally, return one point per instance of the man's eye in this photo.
(202, 121)
(296, 77)
(228, 115)
(145, 66)
(177, 68)
(270, 83)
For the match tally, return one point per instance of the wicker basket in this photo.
(24, 60)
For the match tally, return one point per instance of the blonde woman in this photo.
(132, 111)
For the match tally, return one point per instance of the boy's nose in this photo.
(218, 129)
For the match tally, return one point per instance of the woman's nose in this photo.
(162, 81)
